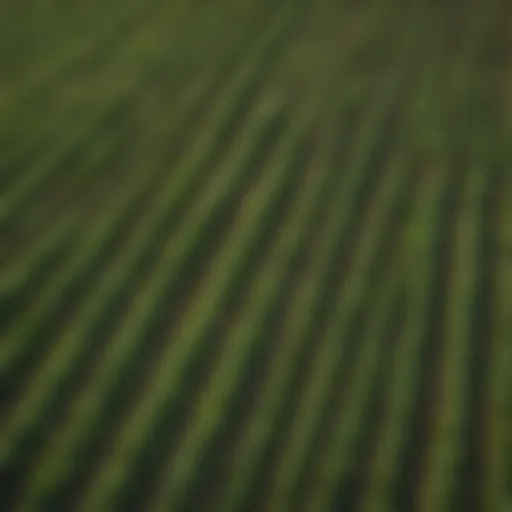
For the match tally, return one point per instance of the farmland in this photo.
(256, 256)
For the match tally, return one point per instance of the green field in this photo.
(256, 256)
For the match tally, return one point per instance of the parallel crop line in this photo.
(478, 479)
(336, 463)
(171, 193)
(432, 490)
(243, 465)
(364, 477)
(165, 385)
(328, 359)
(123, 345)
(243, 336)
(162, 206)
(450, 414)
(114, 103)
(484, 480)
(460, 76)
(188, 97)
(380, 496)
(374, 495)
(107, 92)
(322, 376)
(292, 341)
(330, 351)
(358, 40)
(501, 391)
(131, 255)
(16, 276)
(18, 340)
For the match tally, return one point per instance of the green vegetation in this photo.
(256, 256)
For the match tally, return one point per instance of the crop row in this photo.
(96, 242)
(283, 309)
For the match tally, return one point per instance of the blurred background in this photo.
(255, 256)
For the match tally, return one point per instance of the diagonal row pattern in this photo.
(255, 256)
